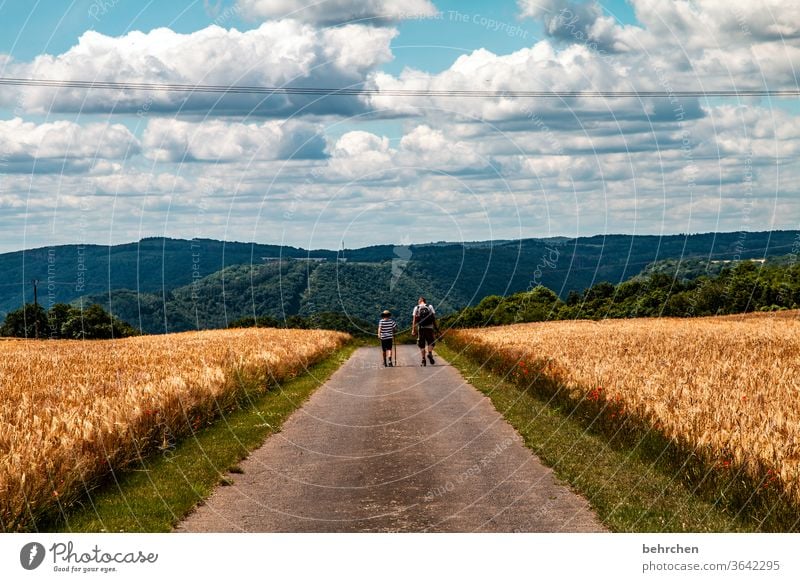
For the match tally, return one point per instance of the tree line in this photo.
(741, 288)
(324, 320)
(64, 321)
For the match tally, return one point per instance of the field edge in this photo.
(155, 495)
(630, 489)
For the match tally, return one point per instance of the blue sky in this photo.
(106, 166)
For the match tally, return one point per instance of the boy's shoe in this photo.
(430, 359)
(424, 363)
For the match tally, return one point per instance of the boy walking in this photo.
(424, 319)
(386, 330)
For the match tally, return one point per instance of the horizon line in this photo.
(418, 244)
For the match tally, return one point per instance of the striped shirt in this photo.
(386, 328)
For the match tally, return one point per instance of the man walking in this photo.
(386, 330)
(424, 321)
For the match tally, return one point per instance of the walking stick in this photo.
(394, 352)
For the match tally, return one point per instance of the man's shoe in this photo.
(424, 363)
(390, 364)
(430, 359)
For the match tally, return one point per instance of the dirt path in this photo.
(397, 449)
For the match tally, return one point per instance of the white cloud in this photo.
(62, 146)
(578, 22)
(429, 149)
(276, 54)
(697, 40)
(141, 183)
(536, 8)
(540, 67)
(370, 179)
(738, 132)
(171, 140)
(690, 23)
(680, 45)
(360, 155)
(327, 12)
(709, 21)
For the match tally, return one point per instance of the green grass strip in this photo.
(630, 490)
(163, 488)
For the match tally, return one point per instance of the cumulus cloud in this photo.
(361, 155)
(678, 45)
(541, 67)
(549, 177)
(758, 20)
(697, 36)
(276, 54)
(745, 44)
(699, 22)
(62, 146)
(171, 140)
(429, 149)
(573, 22)
(134, 183)
(329, 12)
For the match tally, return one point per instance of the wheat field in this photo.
(726, 388)
(70, 411)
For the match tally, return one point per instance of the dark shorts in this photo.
(386, 344)
(426, 336)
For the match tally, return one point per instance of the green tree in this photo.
(341, 322)
(57, 317)
(28, 321)
(94, 322)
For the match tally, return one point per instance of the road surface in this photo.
(398, 449)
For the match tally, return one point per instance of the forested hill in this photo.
(163, 284)
(153, 265)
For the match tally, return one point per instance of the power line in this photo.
(366, 91)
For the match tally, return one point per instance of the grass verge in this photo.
(163, 488)
(633, 487)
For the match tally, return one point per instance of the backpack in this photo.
(424, 316)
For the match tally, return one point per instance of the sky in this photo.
(111, 166)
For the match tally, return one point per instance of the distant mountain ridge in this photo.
(162, 284)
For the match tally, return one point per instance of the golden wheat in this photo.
(726, 387)
(71, 410)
